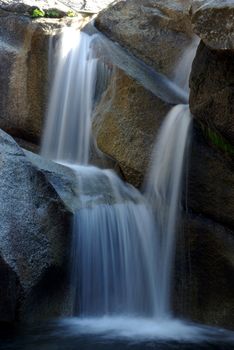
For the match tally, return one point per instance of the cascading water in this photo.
(163, 192)
(114, 249)
(68, 124)
(123, 241)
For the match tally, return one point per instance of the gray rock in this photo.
(62, 178)
(213, 21)
(34, 239)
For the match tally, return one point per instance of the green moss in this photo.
(37, 13)
(217, 140)
(71, 13)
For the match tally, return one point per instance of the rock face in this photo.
(24, 68)
(212, 90)
(155, 31)
(125, 130)
(34, 238)
(204, 272)
(61, 5)
(210, 181)
(213, 21)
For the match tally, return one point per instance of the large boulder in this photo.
(213, 22)
(155, 31)
(212, 91)
(126, 122)
(204, 272)
(24, 77)
(210, 180)
(34, 239)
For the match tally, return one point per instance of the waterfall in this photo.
(114, 248)
(163, 191)
(123, 241)
(68, 124)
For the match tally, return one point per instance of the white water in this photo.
(114, 248)
(163, 191)
(123, 242)
(67, 134)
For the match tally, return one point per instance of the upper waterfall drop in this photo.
(67, 134)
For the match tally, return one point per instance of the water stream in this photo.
(123, 241)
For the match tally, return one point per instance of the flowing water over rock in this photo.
(163, 191)
(123, 241)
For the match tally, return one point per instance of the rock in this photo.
(213, 21)
(157, 32)
(210, 181)
(126, 121)
(34, 239)
(24, 68)
(25, 6)
(62, 178)
(92, 6)
(22, 6)
(212, 91)
(204, 272)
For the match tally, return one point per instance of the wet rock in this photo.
(212, 91)
(34, 239)
(213, 21)
(204, 272)
(210, 181)
(126, 121)
(155, 31)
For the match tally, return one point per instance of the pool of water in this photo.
(118, 334)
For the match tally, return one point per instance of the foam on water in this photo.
(144, 329)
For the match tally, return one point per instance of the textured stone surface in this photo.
(213, 21)
(34, 238)
(21, 6)
(204, 272)
(155, 31)
(125, 124)
(212, 90)
(24, 71)
(210, 181)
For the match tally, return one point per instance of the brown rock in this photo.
(125, 124)
(213, 21)
(155, 31)
(212, 90)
